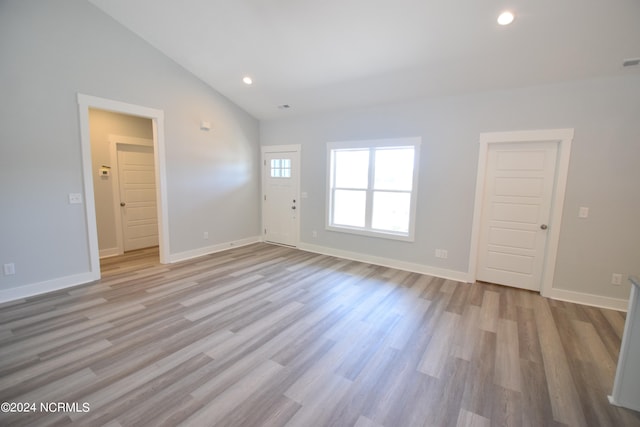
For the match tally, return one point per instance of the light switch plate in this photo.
(75, 198)
(583, 212)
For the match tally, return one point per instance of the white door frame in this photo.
(281, 149)
(564, 138)
(159, 152)
(114, 141)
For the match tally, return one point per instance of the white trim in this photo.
(280, 148)
(130, 140)
(106, 253)
(459, 276)
(588, 299)
(195, 253)
(443, 273)
(157, 118)
(625, 374)
(293, 148)
(114, 140)
(564, 138)
(368, 143)
(34, 289)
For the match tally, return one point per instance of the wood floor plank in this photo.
(489, 311)
(465, 338)
(507, 369)
(536, 402)
(565, 402)
(481, 373)
(317, 407)
(227, 401)
(265, 335)
(437, 353)
(469, 419)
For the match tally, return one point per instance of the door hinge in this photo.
(265, 231)
(265, 197)
(265, 163)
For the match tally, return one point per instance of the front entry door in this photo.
(138, 206)
(281, 207)
(519, 184)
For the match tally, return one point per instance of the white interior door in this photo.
(519, 183)
(281, 204)
(137, 188)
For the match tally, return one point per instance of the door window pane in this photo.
(280, 168)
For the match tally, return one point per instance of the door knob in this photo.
(122, 203)
(543, 226)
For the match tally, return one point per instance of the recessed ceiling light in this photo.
(505, 18)
(247, 80)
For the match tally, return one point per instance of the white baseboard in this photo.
(443, 273)
(26, 291)
(588, 299)
(207, 250)
(558, 294)
(33, 289)
(106, 253)
(623, 405)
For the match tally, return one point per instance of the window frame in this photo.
(373, 145)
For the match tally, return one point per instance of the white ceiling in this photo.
(319, 55)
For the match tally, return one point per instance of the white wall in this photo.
(102, 125)
(50, 51)
(604, 173)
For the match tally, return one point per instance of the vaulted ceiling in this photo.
(331, 54)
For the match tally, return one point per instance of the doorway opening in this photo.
(124, 187)
(144, 178)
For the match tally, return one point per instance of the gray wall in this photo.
(603, 174)
(50, 51)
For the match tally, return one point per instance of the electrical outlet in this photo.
(9, 269)
(442, 253)
(205, 235)
(314, 233)
(616, 279)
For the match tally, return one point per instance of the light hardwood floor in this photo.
(270, 336)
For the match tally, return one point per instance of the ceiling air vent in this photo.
(631, 62)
